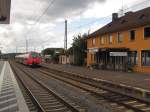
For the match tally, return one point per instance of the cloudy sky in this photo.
(41, 22)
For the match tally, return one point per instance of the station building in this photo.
(123, 44)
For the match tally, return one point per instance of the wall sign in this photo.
(93, 50)
(118, 54)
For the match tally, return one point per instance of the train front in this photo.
(35, 58)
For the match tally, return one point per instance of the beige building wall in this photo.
(64, 60)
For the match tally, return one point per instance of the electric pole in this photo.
(16, 45)
(65, 34)
(16, 48)
(65, 40)
(26, 45)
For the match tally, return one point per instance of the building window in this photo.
(132, 35)
(93, 41)
(132, 58)
(92, 57)
(120, 38)
(146, 58)
(147, 32)
(110, 39)
(102, 41)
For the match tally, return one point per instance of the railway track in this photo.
(118, 101)
(46, 100)
(28, 98)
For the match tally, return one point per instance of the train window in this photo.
(35, 55)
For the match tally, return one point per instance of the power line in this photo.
(91, 22)
(40, 17)
(80, 26)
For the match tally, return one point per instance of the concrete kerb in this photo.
(126, 89)
(20, 99)
(142, 92)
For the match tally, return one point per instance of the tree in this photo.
(79, 48)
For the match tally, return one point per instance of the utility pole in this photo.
(26, 45)
(16, 48)
(65, 40)
(16, 45)
(65, 34)
(34, 48)
(73, 50)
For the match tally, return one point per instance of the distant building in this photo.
(122, 44)
(8, 55)
(51, 55)
(63, 59)
(47, 58)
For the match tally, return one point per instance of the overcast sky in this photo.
(47, 30)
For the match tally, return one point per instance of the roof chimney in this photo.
(114, 16)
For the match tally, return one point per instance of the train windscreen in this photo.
(34, 55)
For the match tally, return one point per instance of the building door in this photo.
(119, 60)
(120, 63)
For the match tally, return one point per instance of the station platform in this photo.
(11, 98)
(135, 80)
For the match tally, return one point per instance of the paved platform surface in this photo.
(11, 99)
(130, 79)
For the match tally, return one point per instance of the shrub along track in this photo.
(120, 102)
(45, 99)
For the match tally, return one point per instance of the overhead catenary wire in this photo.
(44, 12)
(99, 19)
(36, 21)
(80, 26)
(93, 21)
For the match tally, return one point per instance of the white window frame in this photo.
(93, 41)
(110, 37)
(119, 34)
(144, 59)
(102, 40)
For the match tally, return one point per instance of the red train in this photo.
(31, 58)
